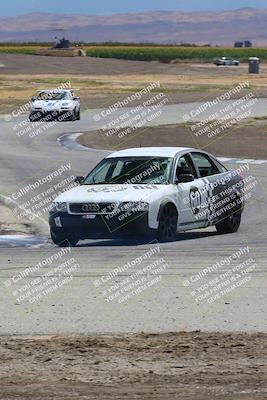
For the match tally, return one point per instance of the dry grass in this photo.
(18, 89)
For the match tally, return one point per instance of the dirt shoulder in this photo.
(245, 141)
(144, 366)
(9, 224)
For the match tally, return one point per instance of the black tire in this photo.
(78, 116)
(70, 116)
(230, 224)
(167, 229)
(73, 116)
(64, 240)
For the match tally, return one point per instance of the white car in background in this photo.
(54, 104)
(149, 191)
(226, 61)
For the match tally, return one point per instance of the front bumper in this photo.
(50, 115)
(88, 227)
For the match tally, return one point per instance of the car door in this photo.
(215, 181)
(191, 196)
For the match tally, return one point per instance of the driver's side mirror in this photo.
(33, 98)
(79, 179)
(184, 178)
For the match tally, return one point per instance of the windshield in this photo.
(131, 170)
(52, 96)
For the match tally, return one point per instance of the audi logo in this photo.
(90, 207)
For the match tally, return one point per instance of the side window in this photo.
(220, 167)
(205, 165)
(118, 170)
(185, 167)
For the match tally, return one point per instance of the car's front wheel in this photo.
(73, 116)
(230, 224)
(63, 239)
(167, 229)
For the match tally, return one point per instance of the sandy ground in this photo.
(248, 140)
(145, 366)
(28, 64)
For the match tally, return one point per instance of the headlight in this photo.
(66, 106)
(134, 206)
(59, 207)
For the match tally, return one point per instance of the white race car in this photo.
(55, 104)
(154, 191)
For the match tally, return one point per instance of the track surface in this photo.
(79, 307)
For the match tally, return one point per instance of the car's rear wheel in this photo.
(230, 224)
(167, 229)
(63, 239)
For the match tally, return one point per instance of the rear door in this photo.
(191, 196)
(214, 178)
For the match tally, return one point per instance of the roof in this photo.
(56, 90)
(53, 90)
(150, 152)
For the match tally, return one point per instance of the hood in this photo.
(51, 103)
(113, 193)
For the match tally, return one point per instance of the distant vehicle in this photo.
(55, 104)
(62, 43)
(149, 191)
(246, 43)
(226, 61)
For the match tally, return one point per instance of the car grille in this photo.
(91, 208)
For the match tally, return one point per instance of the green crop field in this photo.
(18, 49)
(169, 53)
(151, 52)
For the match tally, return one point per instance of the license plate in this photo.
(89, 216)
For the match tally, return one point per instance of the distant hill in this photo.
(222, 28)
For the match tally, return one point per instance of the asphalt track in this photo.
(79, 306)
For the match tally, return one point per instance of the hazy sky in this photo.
(16, 7)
